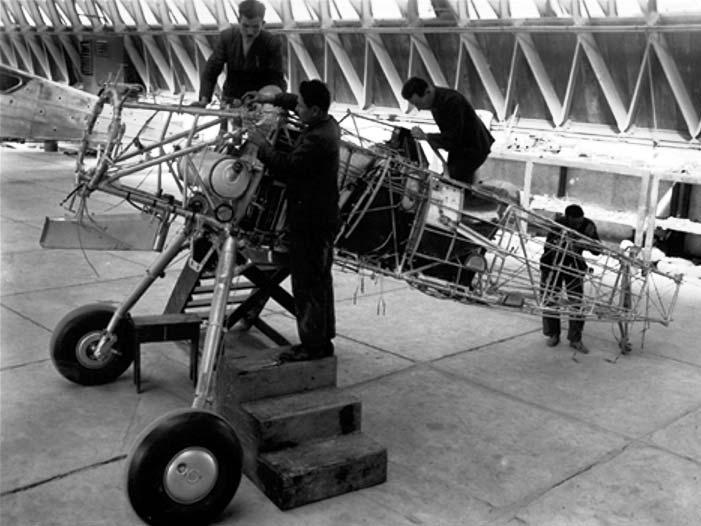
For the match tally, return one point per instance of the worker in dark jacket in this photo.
(252, 55)
(462, 133)
(310, 170)
(562, 264)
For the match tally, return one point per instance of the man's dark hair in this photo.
(574, 211)
(415, 85)
(251, 9)
(315, 93)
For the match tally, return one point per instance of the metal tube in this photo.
(166, 140)
(215, 329)
(113, 138)
(157, 203)
(152, 273)
(162, 159)
(192, 110)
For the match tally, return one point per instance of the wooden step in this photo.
(300, 435)
(314, 471)
(244, 375)
(290, 420)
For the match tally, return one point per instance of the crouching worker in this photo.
(562, 265)
(462, 132)
(310, 171)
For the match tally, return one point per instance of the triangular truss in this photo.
(619, 41)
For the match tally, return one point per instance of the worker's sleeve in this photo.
(552, 247)
(295, 163)
(274, 70)
(451, 137)
(212, 69)
(437, 141)
(553, 242)
(591, 232)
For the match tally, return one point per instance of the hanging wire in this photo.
(381, 303)
(359, 287)
(83, 213)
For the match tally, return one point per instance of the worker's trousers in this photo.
(552, 283)
(311, 258)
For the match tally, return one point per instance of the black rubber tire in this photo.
(71, 339)
(160, 444)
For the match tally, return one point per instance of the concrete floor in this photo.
(483, 423)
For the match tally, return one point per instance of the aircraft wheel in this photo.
(74, 340)
(184, 469)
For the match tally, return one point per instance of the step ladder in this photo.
(249, 293)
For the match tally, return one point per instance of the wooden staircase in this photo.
(301, 435)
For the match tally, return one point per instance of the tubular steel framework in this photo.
(609, 66)
(474, 244)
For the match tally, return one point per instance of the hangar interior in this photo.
(593, 93)
(594, 102)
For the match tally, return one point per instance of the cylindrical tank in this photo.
(227, 177)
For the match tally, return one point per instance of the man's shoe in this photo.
(579, 347)
(553, 340)
(300, 353)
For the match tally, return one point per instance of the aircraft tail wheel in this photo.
(184, 468)
(75, 338)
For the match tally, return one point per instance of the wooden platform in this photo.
(301, 435)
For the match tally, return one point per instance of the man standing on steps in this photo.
(252, 55)
(462, 133)
(310, 170)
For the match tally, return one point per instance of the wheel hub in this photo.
(85, 351)
(190, 475)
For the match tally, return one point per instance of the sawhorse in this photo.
(166, 328)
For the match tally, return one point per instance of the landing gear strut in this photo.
(186, 467)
